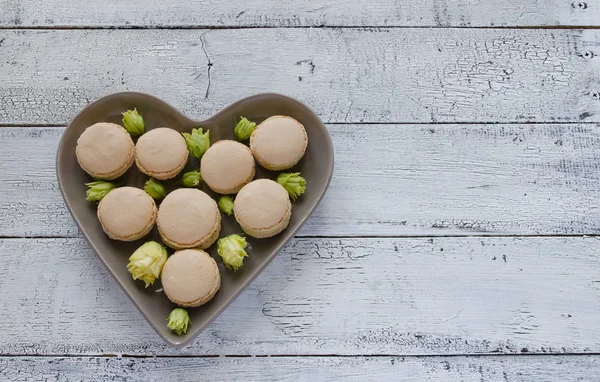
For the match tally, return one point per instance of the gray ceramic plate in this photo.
(316, 167)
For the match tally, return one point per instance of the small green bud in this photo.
(179, 319)
(133, 122)
(226, 204)
(147, 262)
(98, 190)
(197, 142)
(293, 183)
(244, 129)
(191, 178)
(155, 189)
(231, 250)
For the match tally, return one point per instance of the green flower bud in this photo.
(133, 122)
(244, 129)
(197, 142)
(293, 183)
(98, 190)
(147, 261)
(226, 204)
(179, 320)
(191, 178)
(231, 250)
(155, 189)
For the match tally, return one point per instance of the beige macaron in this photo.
(279, 142)
(188, 218)
(190, 278)
(262, 208)
(105, 150)
(127, 213)
(161, 153)
(227, 166)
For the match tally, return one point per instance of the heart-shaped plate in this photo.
(316, 166)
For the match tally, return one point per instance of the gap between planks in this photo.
(60, 125)
(200, 26)
(209, 356)
(480, 235)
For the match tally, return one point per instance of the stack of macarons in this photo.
(188, 219)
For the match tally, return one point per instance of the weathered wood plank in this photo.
(326, 296)
(288, 13)
(368, 75)
(389, 180)
(497, 368)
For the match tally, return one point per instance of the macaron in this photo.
(188, 218)
(190, 278)
(227, 166)
(279, 142)
(262, 208)
(105, 150)
(161, 153)
(127, 213)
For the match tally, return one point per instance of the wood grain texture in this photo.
(326, 296)
(367, 75)
(505, 369)
(389, 180)
(288, 13)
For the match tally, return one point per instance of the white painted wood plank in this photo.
(326, 296)
(389, 180)
(410, 369)
(367, 75)
(289, 13)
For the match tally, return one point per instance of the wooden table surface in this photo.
(459, 237)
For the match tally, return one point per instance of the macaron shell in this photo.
(188, 218)
(262, 205)
(190, 278)
(271, 231)
(227, 166)
(127, 213)
(279, 142)
(203, 243)
(161, 153)
(105, 150)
